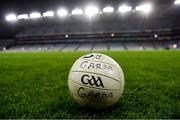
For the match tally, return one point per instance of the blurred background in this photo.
(82, 25)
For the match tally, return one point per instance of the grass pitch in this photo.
(34, 85)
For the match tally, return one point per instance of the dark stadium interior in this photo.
(135, 28)
(57, 55)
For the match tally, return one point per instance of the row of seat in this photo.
(114, 46)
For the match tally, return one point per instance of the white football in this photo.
(96, 80)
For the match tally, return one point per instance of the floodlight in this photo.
(77, 11)
(146, 8)
(155, 35)
(23, 16)
(62, 12)
(66, 36)
(112, 34)
(177, 2)
(174, 46)
(11, 17)
(48, 14)
(35, 15)
(108, 9)
(91, 11)
(125, 8)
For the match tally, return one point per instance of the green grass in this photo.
(34, 85)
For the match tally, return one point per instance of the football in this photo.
(96, 81)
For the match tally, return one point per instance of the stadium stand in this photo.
(149, 39)
(71, 47)
(85, 47)
(147, 45)
(6, 43)
(105, 32)
(100, 47)
(116, 46)
(132, 46)
(99, 42)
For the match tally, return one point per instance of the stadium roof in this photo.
(42, 4)
(23, 9)
(26, 6)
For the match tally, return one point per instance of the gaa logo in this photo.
(91, 80)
